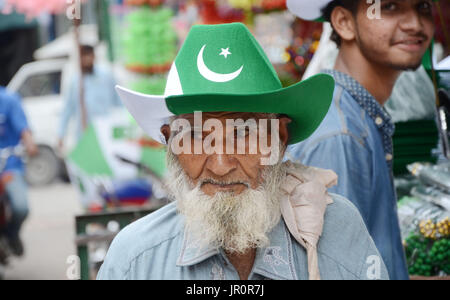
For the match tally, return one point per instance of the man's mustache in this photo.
(222, 183)
(420, 36)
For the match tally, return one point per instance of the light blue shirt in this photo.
(158, 247)
(99, 97)
(355, 141)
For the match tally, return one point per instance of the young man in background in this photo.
(355, 139)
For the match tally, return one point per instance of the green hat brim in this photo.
(305, 103)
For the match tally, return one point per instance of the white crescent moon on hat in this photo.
(213, 76)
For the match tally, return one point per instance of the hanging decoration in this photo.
(33, 8)
(153, 3)
(217, 12)
(258, 6)
(306, 41)
(149, 40)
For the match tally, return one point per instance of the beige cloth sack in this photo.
(303, 207)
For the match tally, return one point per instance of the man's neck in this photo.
(87, 71)
(378, 80)
(243, 263)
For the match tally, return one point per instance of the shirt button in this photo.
(378, 121)
(389, 157)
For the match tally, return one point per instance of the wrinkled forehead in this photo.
(222, 116)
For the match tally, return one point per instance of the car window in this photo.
(45, 84)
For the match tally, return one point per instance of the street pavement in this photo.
(48, 234)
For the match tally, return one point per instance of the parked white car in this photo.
(41, 85)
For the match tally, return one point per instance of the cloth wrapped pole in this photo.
(303, 207)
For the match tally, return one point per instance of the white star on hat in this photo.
(225, 52)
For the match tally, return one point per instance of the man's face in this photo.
(400, 38)
(227, 172)
(87, 61)
(229, 200)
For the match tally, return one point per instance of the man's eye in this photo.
(424, 7)
(390, 6)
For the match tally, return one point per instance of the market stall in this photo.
(424, 194)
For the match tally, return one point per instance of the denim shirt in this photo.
(355, 140)
(158, 247)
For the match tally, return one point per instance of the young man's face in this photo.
(400, 38)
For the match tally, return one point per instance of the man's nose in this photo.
(411, 22)
(221, 164)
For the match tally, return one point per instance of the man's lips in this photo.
(411, 44)
(224, 185)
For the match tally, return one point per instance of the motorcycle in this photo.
(133, 192)
(5, 211)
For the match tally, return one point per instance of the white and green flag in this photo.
(93, 164)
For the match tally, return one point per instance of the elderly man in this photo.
(239, 211)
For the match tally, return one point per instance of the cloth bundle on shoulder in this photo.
(304, 205)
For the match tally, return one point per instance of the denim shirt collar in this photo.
(275, 261)
(365, 100)
(370, 105)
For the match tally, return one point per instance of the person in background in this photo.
(355, 139)
(413, 96)
(99, 94)
(13, 130)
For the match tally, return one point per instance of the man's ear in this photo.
(343, 23)
(165, 130)
(284, 131)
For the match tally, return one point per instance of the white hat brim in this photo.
(149, 111)
(307, 9)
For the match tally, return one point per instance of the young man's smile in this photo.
(211, 187)
(412, 44)
(400, 38)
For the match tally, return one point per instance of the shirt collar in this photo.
(192, 254)
(377, 113)
(274, 261)
(95, 72)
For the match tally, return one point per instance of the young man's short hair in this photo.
(351, 5)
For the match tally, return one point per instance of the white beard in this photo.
(234, 223)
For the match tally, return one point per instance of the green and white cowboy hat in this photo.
(310, 10)
(223, 68)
